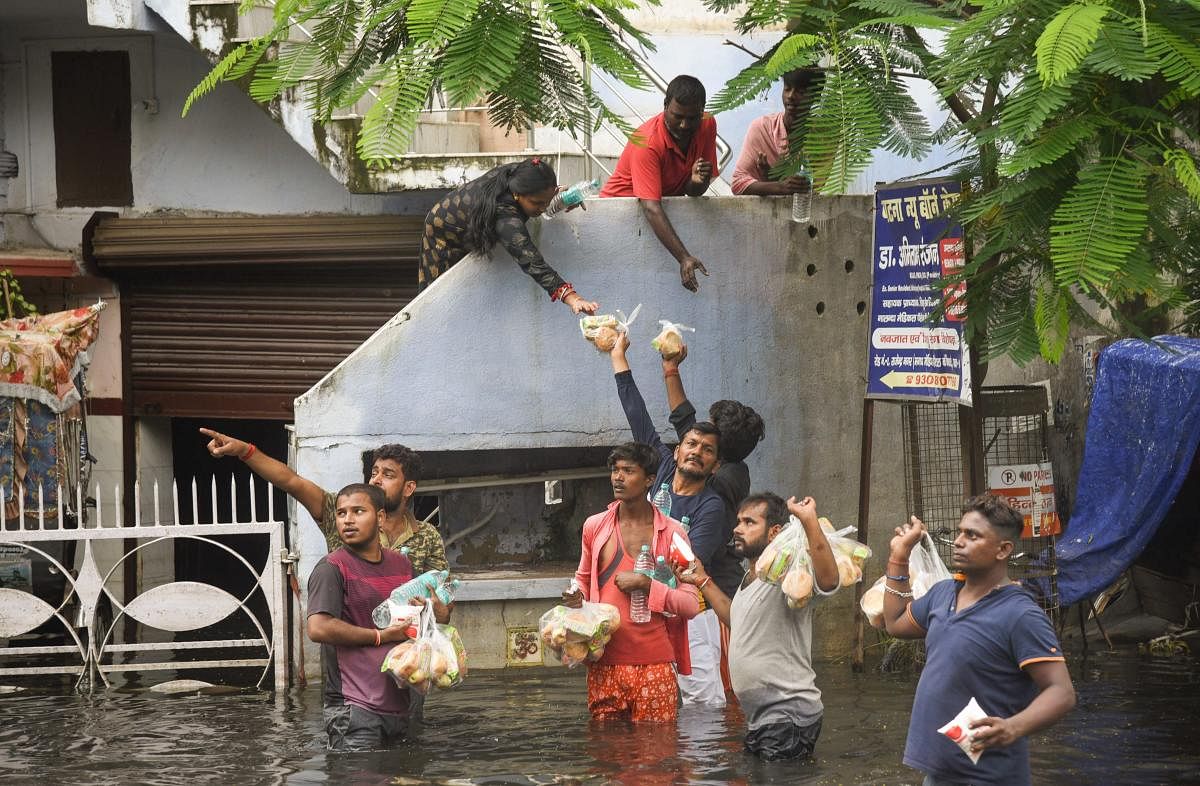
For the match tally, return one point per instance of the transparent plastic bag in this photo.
(798, 582)
(574, 636)
(430, 660)
(395, 610)
(871, 604)
(849, 554)
(777, 558)
(602, 329)
(669, 342)
(925, 567)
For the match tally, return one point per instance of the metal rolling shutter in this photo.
(235, 317)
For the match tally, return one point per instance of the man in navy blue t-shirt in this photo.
(985, 638)
(684, 472)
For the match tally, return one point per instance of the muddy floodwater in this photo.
(1136, 723)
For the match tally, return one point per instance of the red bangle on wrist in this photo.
(249, 452)
(670, 372)
(562, 292)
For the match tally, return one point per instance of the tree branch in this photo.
(959, 104)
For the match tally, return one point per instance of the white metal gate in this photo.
(172, 607)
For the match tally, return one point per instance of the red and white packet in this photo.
(958, 730)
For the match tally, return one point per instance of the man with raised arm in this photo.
(394, 468)
(985, 638)
(363, 708)
(683, 475)
(770, 643)
(671, 154)
(635, 678)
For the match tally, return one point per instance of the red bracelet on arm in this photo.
(249, 452)
(561, 293)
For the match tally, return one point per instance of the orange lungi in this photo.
(638, 692)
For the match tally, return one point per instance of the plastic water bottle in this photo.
(571, 197)
(639, 605)
(802, 202)
(663, 573)
(422, 586)
(662, 499)
(446, 590)
(686, 523)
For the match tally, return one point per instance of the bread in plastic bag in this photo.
(773, 564)
(602, 329)
(574, 636)
(925, 568)
(669, 342)
(798, 582)
(849, 554)
(871, 604)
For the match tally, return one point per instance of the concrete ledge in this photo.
(511, 589)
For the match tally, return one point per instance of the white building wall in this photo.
(482, 360)
(226, 156)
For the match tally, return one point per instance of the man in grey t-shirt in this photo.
(770, 644)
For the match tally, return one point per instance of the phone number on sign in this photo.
(932, 380)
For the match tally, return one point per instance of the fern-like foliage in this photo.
(1079, 125)
(528, 62)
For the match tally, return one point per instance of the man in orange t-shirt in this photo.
(671, 154)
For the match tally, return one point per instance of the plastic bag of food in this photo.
(602, 329)
(959, 728)
(871, 604)
(797, 583)
(669, 342)
(431, 659)
(849, 554)
(925, 567)
(777, 557)
(574, 636)
(448, 660)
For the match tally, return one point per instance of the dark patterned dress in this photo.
(442, 244)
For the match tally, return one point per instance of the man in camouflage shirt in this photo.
(394, 468)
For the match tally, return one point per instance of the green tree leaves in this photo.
(1068, 39)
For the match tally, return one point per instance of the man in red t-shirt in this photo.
(671, 154)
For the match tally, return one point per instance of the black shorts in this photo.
(352, 728)
(783, 740)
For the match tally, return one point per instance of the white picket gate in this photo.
(174, 607)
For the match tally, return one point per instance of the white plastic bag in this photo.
(669, 342)
(925, 567)
(776, 559)
(602, 329)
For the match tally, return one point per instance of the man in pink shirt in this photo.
(767, 139)
(671, 154)
(634, 679)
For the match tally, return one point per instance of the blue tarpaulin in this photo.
(1142, 434)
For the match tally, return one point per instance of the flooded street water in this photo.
(1135, 723)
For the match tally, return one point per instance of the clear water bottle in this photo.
(571, 197)
(802, 202)
(686, 523)
(662, 499)
(663, 573)
(446, 591)
(639, 602)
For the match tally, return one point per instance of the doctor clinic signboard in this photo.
(916, 246)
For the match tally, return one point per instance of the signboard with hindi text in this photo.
(915, 245)
(1029, 489)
